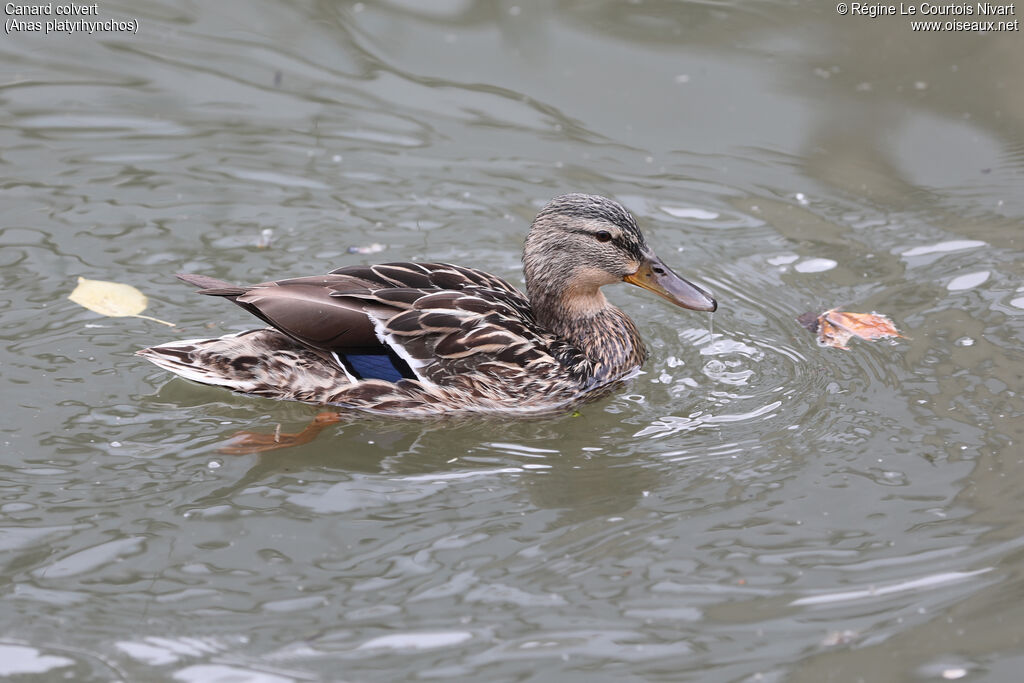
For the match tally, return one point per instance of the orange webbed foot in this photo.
(247, 443)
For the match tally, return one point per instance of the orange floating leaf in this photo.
(836, 328)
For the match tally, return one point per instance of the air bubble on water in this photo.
(714, 368)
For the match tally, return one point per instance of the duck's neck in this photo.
(601, 332)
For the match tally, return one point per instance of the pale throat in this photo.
(565, 310)
(603, 333)
(573, 307)
(583, 302)
(582, 297)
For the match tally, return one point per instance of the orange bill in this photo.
(655, 276)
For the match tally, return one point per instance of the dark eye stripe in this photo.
(621, 242)
(590, 233)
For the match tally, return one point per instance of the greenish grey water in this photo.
(753, 507)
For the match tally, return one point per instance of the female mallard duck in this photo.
(431, 338)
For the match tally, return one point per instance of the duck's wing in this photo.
(447, 336)
(452, 324)
(426, 321)
(301, 308)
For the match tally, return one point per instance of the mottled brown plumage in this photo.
(434, 338)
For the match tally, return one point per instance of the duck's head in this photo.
(580, 242)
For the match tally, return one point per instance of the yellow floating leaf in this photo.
(113, 299)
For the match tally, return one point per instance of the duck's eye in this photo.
(603, 236)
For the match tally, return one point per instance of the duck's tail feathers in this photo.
(180, 357)
(260, 362)
(211, 285)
